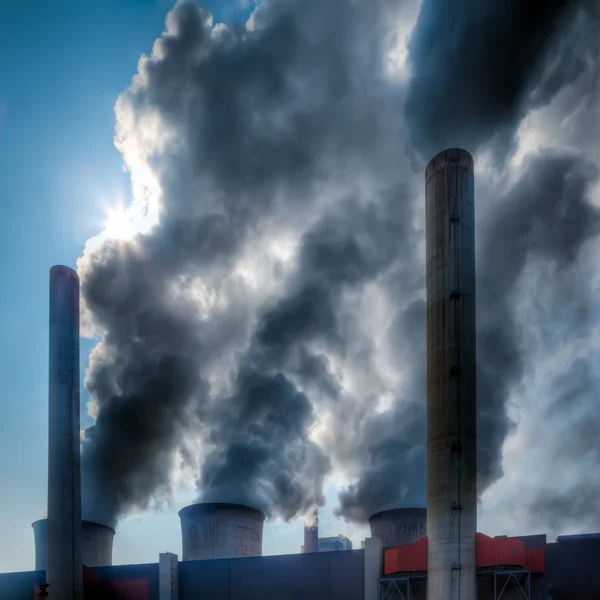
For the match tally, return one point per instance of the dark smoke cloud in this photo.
(546, 217)
(574, 409)
(294, 131)
(263, 455)
(142, 376)
(479, 67)
(333, 258)
(568, 320)
(394, 442)
(248, 130)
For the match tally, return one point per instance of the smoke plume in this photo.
(239, 134)
(266, 329)
(479, 68)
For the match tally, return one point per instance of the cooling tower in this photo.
(311, 532)
(64, 567)
(400, 526)
(451, 389)
(220, 530)
(96, 546)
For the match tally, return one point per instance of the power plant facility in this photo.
(335, 543)
(432, 552)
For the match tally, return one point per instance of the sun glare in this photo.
(124, 223)
(119, 224)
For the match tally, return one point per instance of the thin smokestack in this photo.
(311, 532)
(64, 565)
(451, 380)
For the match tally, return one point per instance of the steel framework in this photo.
(398, 587)
(503, 578)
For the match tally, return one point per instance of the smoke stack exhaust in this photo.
(311, 532)
(64, 565)
(451, 391)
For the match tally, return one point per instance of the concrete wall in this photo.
(315, 576)
(372, 567)
(571, 572)
(168, 573)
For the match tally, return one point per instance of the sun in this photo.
(120, 225)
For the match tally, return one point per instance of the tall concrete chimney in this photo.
(64, 570)
(451, 395)
(311, 532)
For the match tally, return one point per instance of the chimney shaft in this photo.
(311, 532)
(451, 378)
(64, 566)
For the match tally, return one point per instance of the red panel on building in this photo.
(96, 588)
(406, 558)
(489, 552)
(535, 560)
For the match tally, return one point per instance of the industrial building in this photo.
(562, 570)
(331, 544)
(414, 552)
(334, 544)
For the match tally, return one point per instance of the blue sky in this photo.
(63, 65)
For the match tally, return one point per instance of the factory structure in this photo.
(314, 543)
(413, 553)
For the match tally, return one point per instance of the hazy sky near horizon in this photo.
(62, 68)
